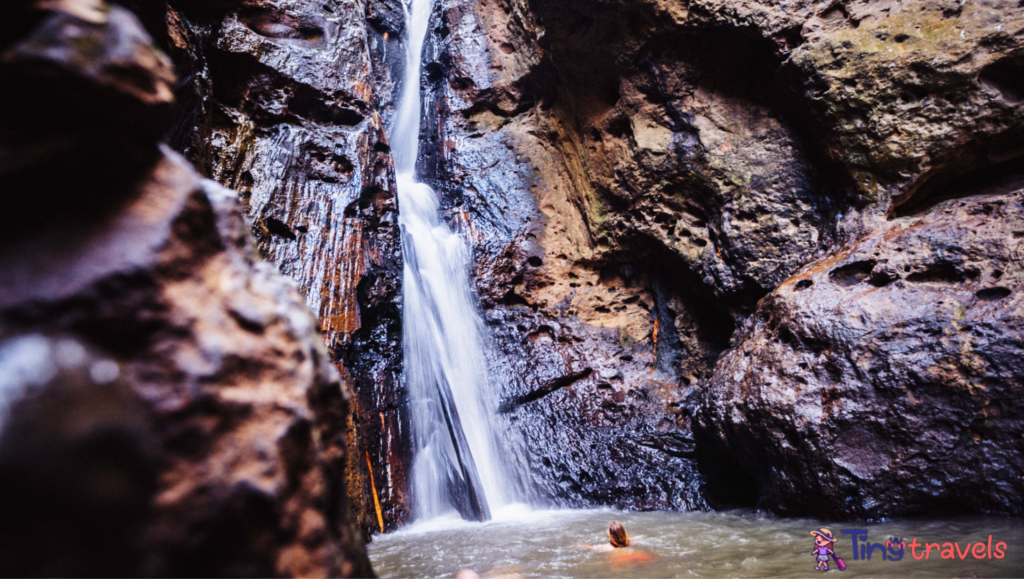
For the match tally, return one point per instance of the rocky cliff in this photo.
(636, 176)
(729, 252)
(286, 103)
(167, 406)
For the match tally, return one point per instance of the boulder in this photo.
(885, 379)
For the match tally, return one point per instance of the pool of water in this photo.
(720, 544)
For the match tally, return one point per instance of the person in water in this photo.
(620, 548)
(823, 541)
(618, 538)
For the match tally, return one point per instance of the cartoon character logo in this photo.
(823, 541)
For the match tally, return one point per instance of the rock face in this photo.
(286, 103)
(633, 176)
(885, 379)
(629, 193)
(597, 424)
(655, 169)
(168, 407)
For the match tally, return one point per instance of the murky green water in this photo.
(733, 544)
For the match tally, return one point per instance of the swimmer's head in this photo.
(617, 535)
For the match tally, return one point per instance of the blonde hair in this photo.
(617, 535)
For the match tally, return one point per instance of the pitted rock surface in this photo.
(168, 406)
(887, 375)
(287, 104)
(633, 177)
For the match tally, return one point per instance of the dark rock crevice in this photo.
(997, 171)
(546, 389)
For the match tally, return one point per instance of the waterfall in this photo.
(457, 465)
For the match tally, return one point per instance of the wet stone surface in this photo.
(636, 179)
(888, 373)
(167, 406)
(287, 104)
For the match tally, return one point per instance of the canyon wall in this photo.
(167, 406)
(639, 180)
(286, 103)
(642, 180)
(729, 253)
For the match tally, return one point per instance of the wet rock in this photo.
(79, 460)
(246, 413)
(386, 16)
(884, 379)
(104, 46)
(591, 426)
(657, 168)
(627, 182)
(121, 104)
(639, 171)
(168, 405)
(286, 102)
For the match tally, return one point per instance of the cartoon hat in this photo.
(823, 532)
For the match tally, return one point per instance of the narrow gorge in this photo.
(283, 278)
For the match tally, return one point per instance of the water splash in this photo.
(457, 465)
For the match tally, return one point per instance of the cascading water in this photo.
(457, 465)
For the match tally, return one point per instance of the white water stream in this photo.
(457, 464)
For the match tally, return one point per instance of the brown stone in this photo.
(285, 107)
(884, 379)
(168, 405)
(633, 177)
